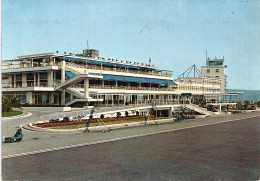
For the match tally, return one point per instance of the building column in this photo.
(103, 83)
(63, 97)
(24, 81)
(38, 84)
(50, 78)
(34, 80)
(29, 97)
(63, 65)
(52, 98)
(170, 112)
(86, 85)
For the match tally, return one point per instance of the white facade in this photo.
(79, 81)
(215, 69)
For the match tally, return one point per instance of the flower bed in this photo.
(44, 125)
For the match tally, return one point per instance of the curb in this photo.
(25, 114)
(95, 128)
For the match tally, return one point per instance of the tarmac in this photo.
(213, 148)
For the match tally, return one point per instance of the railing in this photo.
(96, 67)
(26, 84)
(123, 87)
(28, 65)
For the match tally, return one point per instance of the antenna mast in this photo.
(87, 44)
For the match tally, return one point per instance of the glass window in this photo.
(30, 77)
(217, 70)
(19, 77)
(43, 76)
(208, 70)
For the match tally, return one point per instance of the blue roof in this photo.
(137, 79)
(113, 64)
(26, 72)
(113, 77)
(70, 74)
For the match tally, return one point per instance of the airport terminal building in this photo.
(88, 80)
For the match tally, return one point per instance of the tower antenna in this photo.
(87, 44)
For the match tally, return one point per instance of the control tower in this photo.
(215, 68)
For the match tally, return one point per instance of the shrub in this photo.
(126, 114)
(118, 114)
(9, 102)
(66, 119)
(137, 113)
(102, 116)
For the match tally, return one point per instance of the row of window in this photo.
(208, 70)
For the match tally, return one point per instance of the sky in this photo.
(175, 34)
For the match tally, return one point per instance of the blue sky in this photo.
(175, 34)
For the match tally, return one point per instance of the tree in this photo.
(126, 114)
(8, 103)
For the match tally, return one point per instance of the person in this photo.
(87, 124)
(18, 132)
(145, 119)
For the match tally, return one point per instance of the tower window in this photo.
(217, 70)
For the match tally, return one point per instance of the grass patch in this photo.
(13, 113)
(106, 123)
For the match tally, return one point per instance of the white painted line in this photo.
(116, 139)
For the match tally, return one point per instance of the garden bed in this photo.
(93, 121)
(12, 113)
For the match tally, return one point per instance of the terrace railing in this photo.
(97, 67)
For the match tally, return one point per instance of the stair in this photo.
(199, 109)
(71, 81)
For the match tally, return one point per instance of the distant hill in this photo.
(251, 95)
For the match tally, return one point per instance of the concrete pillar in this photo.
(52, 98)
(103, 83)
(63, 97)
(38, 84)
(24, 81)
(50, 78)
(86, 85)
(34, 80)
(29, 97)
(170, 112)
(63, 65)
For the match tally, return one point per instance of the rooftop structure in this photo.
(215, 68)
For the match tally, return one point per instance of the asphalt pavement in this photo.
(226, 151)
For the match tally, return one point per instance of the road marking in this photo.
(116, 139)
